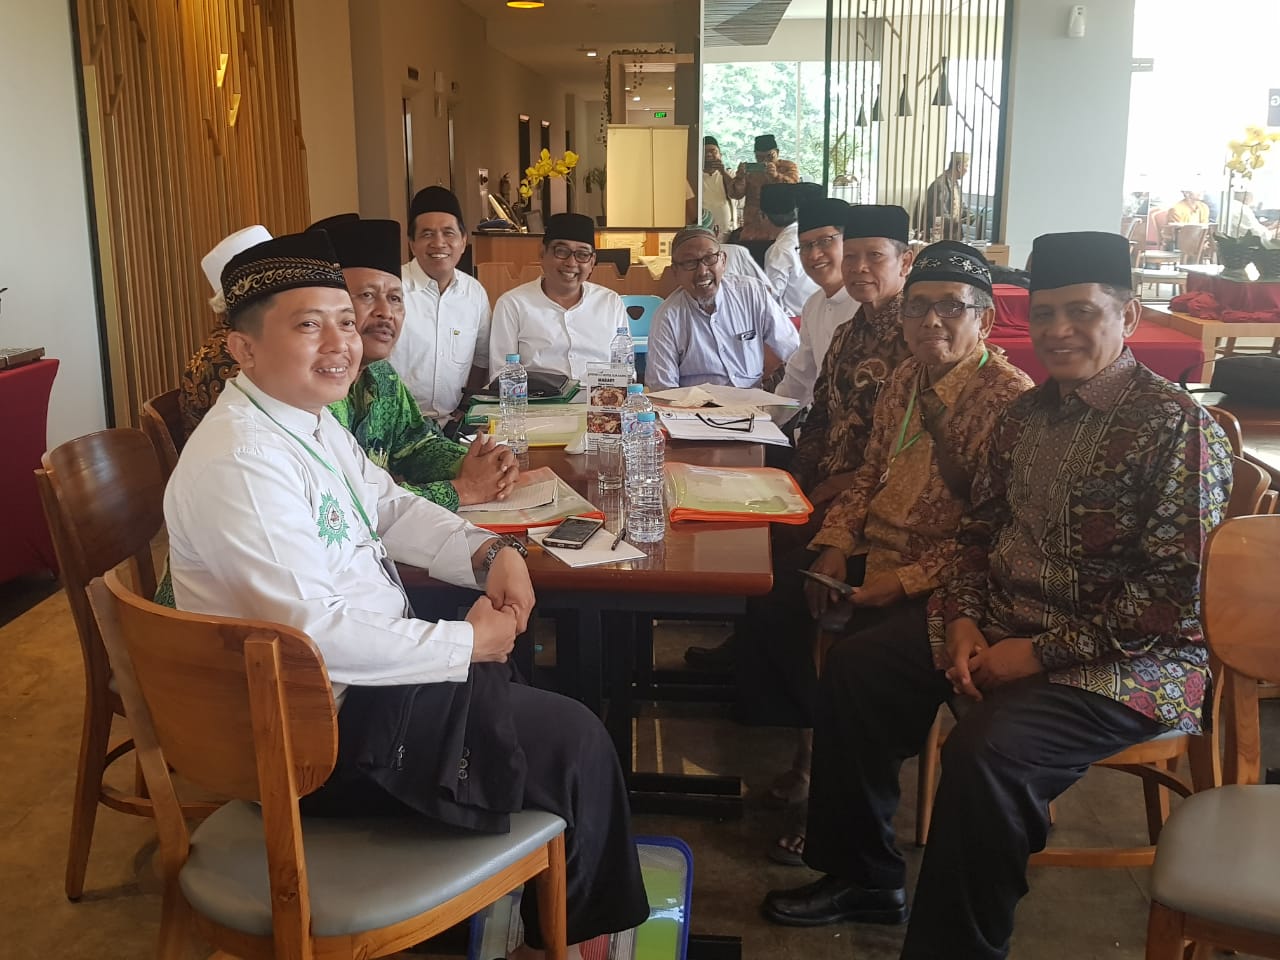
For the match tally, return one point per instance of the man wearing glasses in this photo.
(714, 328)
(560, 322)
(444, 346)
(820, 244)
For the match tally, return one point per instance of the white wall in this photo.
(322, 41)
(45, 258)
(1067, 122)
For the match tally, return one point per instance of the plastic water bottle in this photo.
(636, 403)
(513, 398)
(622, 349)
(645, 454)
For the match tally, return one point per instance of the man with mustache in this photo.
(558, 323)
(715, 327)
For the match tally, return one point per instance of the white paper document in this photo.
(523, 497)
(596, 550)
(708, 393)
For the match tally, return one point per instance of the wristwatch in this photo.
(506, 540)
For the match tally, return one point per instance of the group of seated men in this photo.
(1027, 554)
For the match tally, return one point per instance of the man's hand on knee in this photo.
(1011, 659)
(964, 642)
(509, 588)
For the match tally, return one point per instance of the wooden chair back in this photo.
(1191, 242)
(1249, 483)
(103, 498)
(1238, 611)
(162, 423)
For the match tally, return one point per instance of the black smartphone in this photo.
(839, 586)
(572, 533)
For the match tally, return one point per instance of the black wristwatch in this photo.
(506, 540)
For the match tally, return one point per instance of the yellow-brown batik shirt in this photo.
(862, 354)
(1089, 517)
(900, 511)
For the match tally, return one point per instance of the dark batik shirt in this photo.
(862, 354)
(206, 373)
(1088, 522)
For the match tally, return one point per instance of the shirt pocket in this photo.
(462, 346)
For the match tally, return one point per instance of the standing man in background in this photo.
(945, 199)
(748, 181)
(716, 184)
(444, 346)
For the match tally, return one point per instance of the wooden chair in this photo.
(102, 496)
(1216, 880)
(1231, 427)
(162, 422)
(245, 708)
(1153, 761)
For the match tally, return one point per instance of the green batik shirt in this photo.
(386, 422)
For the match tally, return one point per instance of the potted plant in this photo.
(840, 157)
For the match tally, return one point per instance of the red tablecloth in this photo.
(1165, 351)
(24, 410)
(1253, 296)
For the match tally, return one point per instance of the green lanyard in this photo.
(905, 444)
(318, 459)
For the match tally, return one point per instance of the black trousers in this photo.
(1008, 756)
(574, 773)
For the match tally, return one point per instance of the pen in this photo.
(622, 529)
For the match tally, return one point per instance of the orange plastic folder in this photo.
(735, 493)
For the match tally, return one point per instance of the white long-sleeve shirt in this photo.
(688, 346)
(550, 338)
(818, 321)
(443, 336)
(259, 528)
(790, 284)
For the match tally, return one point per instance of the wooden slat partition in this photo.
(174, 172)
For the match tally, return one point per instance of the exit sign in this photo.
(659, 114)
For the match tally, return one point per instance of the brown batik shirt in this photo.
(862, 354)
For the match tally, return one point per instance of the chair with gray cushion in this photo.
(245, 708)
(1216, 879)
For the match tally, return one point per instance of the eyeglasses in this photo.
(740, 424)
(945, 309)
(822, 243)
(710, 260)
(448, 234)
(564, 253)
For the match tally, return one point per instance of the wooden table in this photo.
(699, 569)
(1209, 332)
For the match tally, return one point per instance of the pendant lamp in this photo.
(862, 116)
(904, 101)
(875, 107)
(943, 97)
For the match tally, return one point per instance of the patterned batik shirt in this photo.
(1089, 518)
(206, 373)
(901, 510)
(862, 354)
(390, 428)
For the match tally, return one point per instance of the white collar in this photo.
(302, 422)
(415, 278)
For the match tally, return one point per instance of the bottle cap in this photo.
(513, 358)
(635, 388)
(646, 416)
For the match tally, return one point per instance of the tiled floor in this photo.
(1069, 913)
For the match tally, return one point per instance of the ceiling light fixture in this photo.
(525, 4)
(636, 99)
(592, 53)
(670, 88)
(904, 101)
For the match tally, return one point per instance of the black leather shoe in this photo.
(711, 659)
(831, 900)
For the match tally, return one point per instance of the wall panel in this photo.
(181, 160)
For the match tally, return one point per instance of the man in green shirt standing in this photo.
(378, 409)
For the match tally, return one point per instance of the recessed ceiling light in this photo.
(525, 4)
(636, 99)
(670, 88)
(592, 53)
(626, 88)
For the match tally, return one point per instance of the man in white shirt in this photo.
(787, 279)
(821, 241)
(714, 328)
(715, 197)
(275, 513)
(1242, 221)
(738, 262)
(444, 346)
(560, 322)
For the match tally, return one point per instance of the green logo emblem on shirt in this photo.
(331, 521)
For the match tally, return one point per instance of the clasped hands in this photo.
(502, 614)
(488, 472)
(979, 667)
